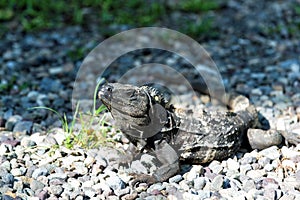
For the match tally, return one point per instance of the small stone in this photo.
(18, 171)
(187, 195)
(248, 185)
(256, 92)
(130, 196)
(43, 179)
(217, 183)
(26, 142)
(87, 184)
(115, 183)
(297, 174)
(199, 183)
(283, 123)
(184, 186)
(90, 192)
(278, 193)
(269, 183)
(288, 164)
(255, 174)
(287, 197)
(271, 152)
(51, 85)
(42, 100)
(217, 169)
(18, 186)
(39, 172)
(43, 195)
(175, 179)
(7, 178)
(122, 192)
(59, 175)
(258, 75)
(248, 159)
(202, 194)
(84, 178)
(88, 161)
(264, 161)
(292, 135)
(269, 167)
(233, 164)
(193, 173)
(36, 185)
(289, 153)
(28, 191)
(277, 87)
(295, 67)
(270, 193)
(10, 123)
(80, 168)
(229, 193)
(156, 188)
(32, 96)
(56, 181)
(56, 70)
(292, 182)
(55, 189)
(67, 187)
(59, 136)
(23, 127)
(74, 182)
(245, 168)
(236, 184)
(260, 139)
(4, 149)
(6, 165)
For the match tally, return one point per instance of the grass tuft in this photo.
(87, 136)
(38, 15)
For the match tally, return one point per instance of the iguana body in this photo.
(152, 124)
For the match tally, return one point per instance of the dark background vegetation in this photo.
(192, 17)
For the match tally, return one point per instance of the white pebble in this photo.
(288, 164)
(232, 164)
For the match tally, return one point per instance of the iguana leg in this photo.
(169, 159)
(170, 165)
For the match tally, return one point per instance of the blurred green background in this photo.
(192, 17)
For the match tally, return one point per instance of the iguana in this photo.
(151, 123)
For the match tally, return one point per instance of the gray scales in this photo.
(173, 135)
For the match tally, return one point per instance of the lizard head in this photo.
(128, 99)
(138, 111)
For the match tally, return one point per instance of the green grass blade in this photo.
(52, 110)
(66, 125)
(95, 94)
(100, 109)
(74, 117)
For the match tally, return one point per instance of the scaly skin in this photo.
(152, 124)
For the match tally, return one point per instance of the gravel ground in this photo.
(257, 52)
